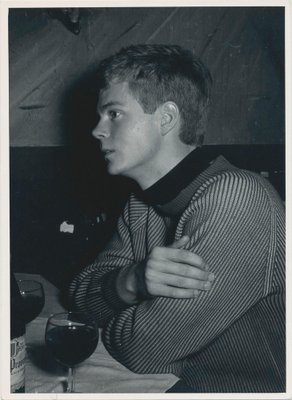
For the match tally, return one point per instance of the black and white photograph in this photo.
(144, 179)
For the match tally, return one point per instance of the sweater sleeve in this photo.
(93, 290)
(230, 222)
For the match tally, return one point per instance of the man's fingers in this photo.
(177, 273)
(180, 281)
(177, 270)
(176, 293)
(181, 256)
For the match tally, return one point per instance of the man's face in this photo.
(130, 139)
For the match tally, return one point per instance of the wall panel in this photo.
(238, 45)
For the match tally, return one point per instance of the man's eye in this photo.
(114, 114)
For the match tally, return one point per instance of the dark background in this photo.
(56, 171)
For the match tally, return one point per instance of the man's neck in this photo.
(165, 164)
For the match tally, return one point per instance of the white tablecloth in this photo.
(98, 374)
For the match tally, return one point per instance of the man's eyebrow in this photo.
(110, 104)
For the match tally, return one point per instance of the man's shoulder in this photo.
(222, 180)
(221, 170)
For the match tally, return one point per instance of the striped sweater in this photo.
(229, 339)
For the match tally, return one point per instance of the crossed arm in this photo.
(167, 271)
(117, 279)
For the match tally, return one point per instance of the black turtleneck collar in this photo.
(170, 185)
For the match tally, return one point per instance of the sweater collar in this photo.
(171, 186)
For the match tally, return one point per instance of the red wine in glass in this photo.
(71, 345)
(71, 337)
(33, 299)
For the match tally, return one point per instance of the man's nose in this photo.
(100, 131)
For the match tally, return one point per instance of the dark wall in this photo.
(50, 185)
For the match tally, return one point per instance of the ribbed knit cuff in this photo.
(109, 291)
(143, 293)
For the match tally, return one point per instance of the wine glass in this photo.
(71, 337)
(33, 298)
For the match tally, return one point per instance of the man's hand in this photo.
(175, 272)
(167, 271)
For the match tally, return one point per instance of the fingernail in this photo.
(207, 285)
(211, 277)
(207, 267)
(196, 293)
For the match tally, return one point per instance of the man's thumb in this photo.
(178, 244)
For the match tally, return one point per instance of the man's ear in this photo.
(169, 116)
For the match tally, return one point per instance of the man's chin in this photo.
(112, 170)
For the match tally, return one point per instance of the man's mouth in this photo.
(107, 153)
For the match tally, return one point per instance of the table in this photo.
(100, 373)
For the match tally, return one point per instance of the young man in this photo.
(192, 282)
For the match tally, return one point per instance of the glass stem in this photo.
(70, 387)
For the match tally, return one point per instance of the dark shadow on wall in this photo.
(51, 185)
(90, 184)
(96, 198)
